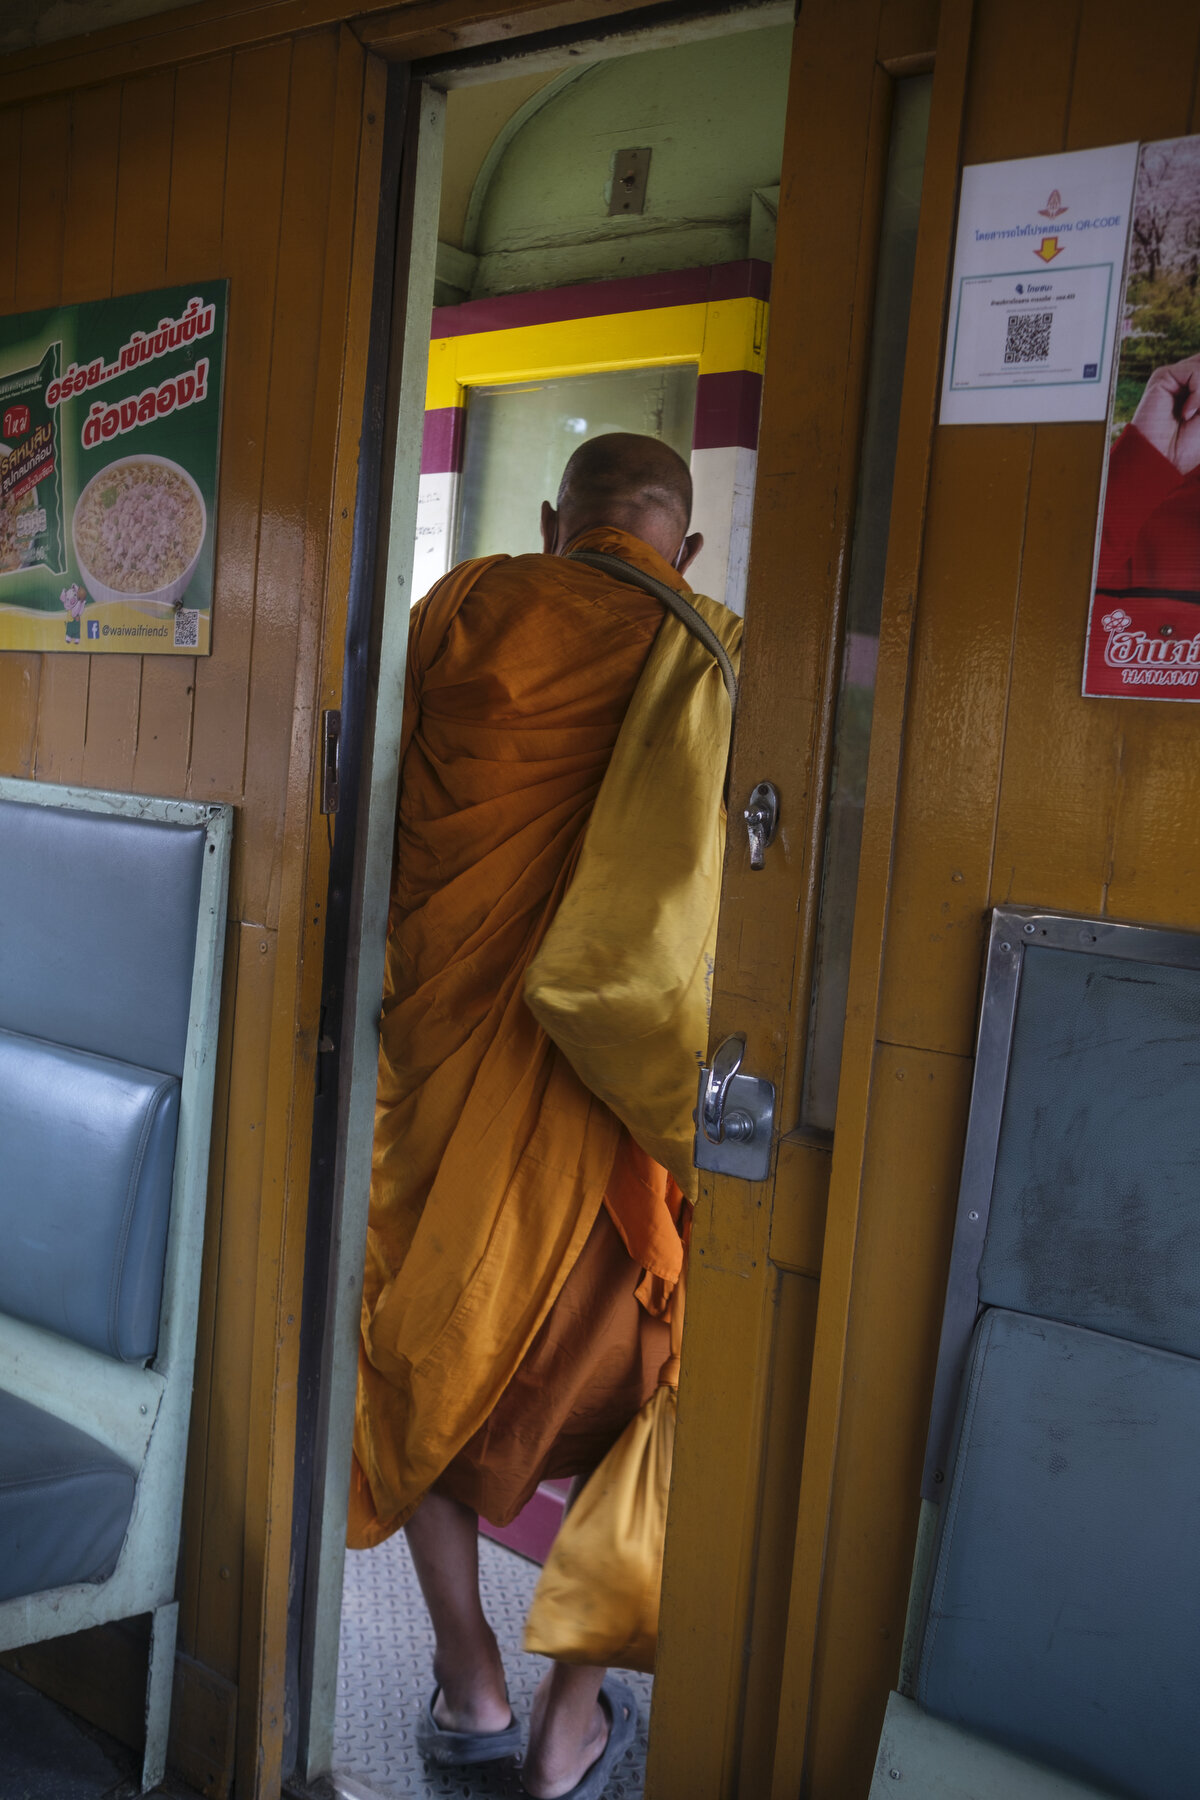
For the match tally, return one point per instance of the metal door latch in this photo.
(331, 744)
(735, 1116)
(761, 816)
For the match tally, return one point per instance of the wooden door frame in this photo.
(347, 671)
(354, 972)
(386, 503)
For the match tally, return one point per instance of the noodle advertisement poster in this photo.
(110, 429)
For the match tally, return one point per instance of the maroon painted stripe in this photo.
(739, 280)
(534, 1529)
(727, 408)
(593, 299)
(442, 441)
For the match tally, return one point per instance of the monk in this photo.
(522, 1249)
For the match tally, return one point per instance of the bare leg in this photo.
(443, 1536)
(567, 1732)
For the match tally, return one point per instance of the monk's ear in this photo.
(549, 527)
(689, 550)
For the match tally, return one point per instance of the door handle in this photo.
(735, 1116)
(714, 1088)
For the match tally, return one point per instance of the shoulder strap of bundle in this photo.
(675, 602)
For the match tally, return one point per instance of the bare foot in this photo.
(562, 1747)
(472, 1701)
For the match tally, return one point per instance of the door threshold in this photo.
(346, 1787)
(333, 1786)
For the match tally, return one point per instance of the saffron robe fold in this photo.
(491, 1157)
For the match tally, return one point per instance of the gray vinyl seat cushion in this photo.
(87, 1151)
(1064, 1619)
(65, 1502)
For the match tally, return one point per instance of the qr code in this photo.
(1028, 338)
(187, 628)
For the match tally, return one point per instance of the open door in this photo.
(843, 452)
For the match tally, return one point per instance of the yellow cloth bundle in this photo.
(597, 1599)
(622, 980)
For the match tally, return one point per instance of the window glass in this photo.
(852, 727)
(519, 436)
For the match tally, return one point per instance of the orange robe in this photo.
(491, 1157)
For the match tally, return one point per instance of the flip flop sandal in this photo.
(445, 1748)
(617, 1698)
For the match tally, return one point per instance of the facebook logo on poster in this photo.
(93, 626)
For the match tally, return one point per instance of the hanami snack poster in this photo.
(1143, 634)
(110, 433)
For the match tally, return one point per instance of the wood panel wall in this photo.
(1003, 786)
(259, 164)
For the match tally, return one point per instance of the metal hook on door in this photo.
(762, 818)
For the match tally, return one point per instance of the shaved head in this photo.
(621, 473)
(635, 484)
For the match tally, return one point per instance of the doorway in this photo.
(665, 310)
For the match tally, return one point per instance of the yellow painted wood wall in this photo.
(260, 165)
(992, 782)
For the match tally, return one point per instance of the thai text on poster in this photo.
(1143, 639)
(1037, 269)
(110, 430)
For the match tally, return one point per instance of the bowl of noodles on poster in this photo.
(138, 530)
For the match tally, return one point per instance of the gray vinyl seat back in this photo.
(99, 937)
(93, 1031)
(112, 920)
(1094, 1216)
(1059, 1618)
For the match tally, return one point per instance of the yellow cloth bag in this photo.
(622, 980)
(597, 1598)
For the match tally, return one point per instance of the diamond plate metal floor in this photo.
(384, 1678)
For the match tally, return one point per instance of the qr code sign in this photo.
(187, 628)
(1028, 338)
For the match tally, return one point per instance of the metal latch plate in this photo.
(331, 744)
(630, 171)
(748, 1157)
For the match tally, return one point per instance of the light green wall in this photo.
(475, 117)
(712, 114)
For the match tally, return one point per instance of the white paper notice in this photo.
(1037, 280)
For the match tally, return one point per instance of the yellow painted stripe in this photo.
(735, 336)
(726, 335)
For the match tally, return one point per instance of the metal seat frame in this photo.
(940, 1760)
(139, 1411)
